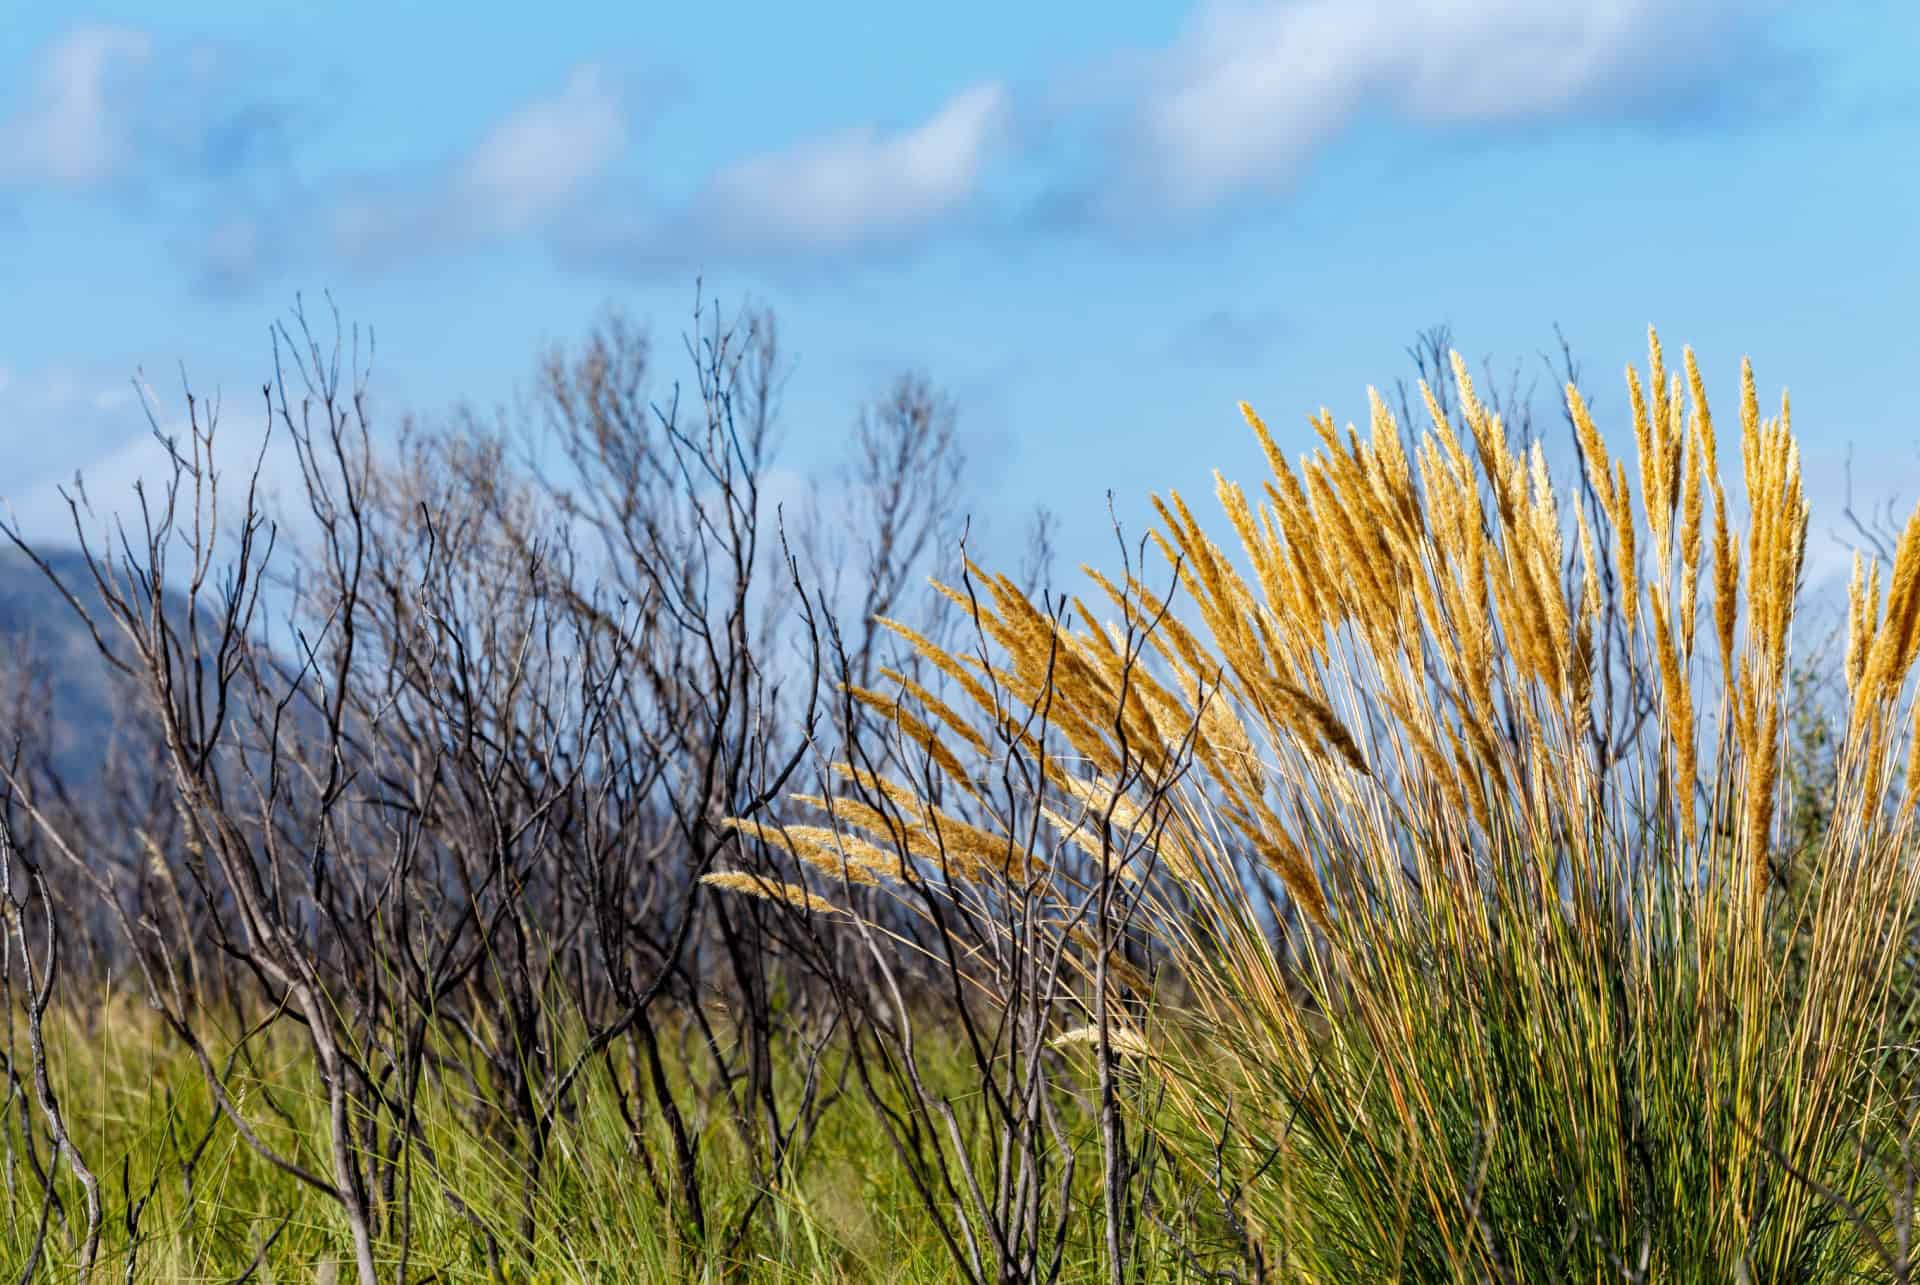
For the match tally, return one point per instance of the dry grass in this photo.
(1498, 994)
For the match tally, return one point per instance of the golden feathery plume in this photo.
(1122, 1040)
(841, 855)
(772, 890)
(1690, 528)
(1624, 548)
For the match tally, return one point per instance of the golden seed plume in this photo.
(770, 889)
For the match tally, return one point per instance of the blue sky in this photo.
(1098, 226)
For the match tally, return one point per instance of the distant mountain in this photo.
(78, 701)
(43, 640)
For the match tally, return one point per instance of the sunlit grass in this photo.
(133, 1098)
(1475, 978)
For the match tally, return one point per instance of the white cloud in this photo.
(91, 435)
(526, 168)
(57, 420)
(857, 186)
(55, 415)
(1253, 87)
(537, 159)
(537, 169)
(75, 130)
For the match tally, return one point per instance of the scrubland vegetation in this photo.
(538, 859)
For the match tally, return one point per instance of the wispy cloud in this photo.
(520, 172)
(76, 128)
(858, 186)
(841, 193)
(53, 417)
(1235, 104)
(118, 109)
(61, 420)
(514, 178)
(537, 159)
(546, 170)
(79, 433)
(1252, 88)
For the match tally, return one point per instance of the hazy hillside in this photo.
(44, 642)
(48, 648)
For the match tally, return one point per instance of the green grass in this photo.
(1546, 1008)
(133, 1098)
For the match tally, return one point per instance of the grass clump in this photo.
(1440, 827)
(209, 1208)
